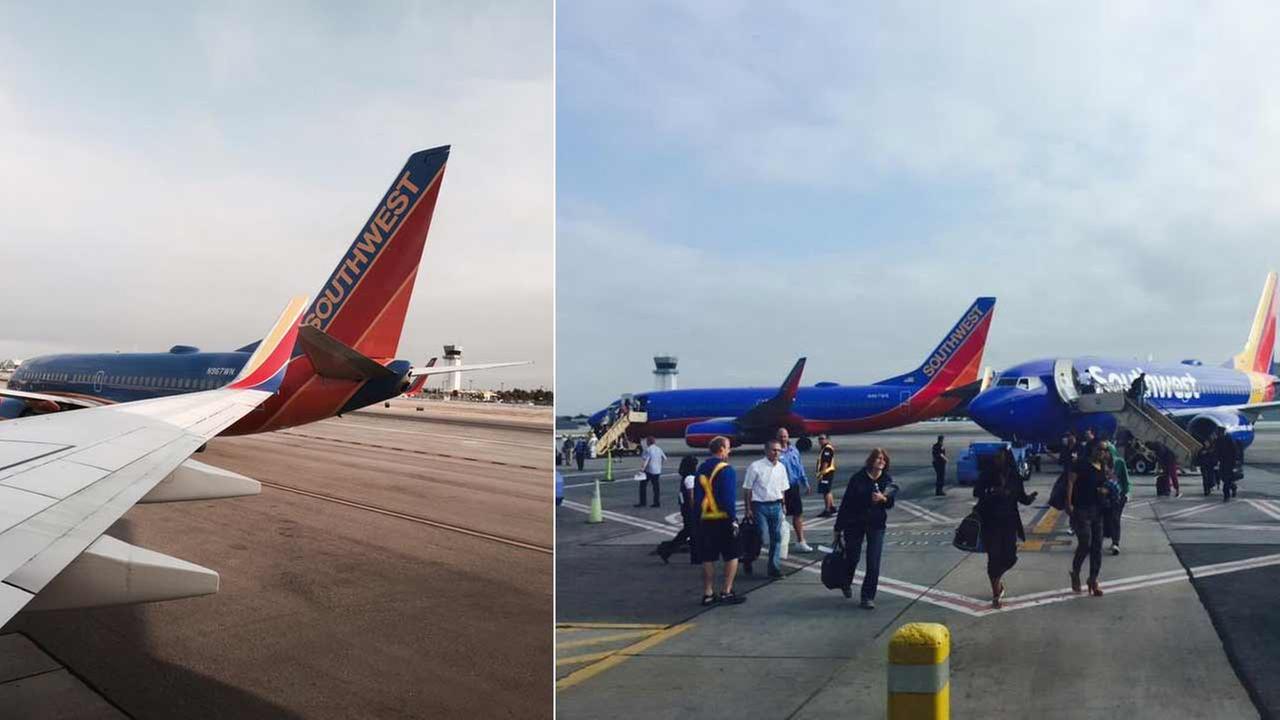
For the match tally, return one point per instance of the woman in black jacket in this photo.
(999, 489)
(870, 493)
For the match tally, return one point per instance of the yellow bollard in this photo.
(597, 510)
(920, 672)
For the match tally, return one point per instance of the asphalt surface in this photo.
(1187, 627)
(390, 568)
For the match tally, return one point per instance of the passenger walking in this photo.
(1226, 448)
(1086, 486)
(688, 475)
(999, 490)
(715, 496)
(826, 474)
(1207, 459)
(939, 466)
(792, 503)
(580, 452)
(566, 451)
(765, 485)
(1169, 468)
(651, 464)
(1120, 471)
(1067, 459)
(863, 516)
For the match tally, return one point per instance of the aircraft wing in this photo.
(430, 369)
(66, 477)
(63, 402)
(776, 410)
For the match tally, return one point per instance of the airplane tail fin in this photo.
(1259, 348)
(265, 368)
(363, 304)
(957, 360)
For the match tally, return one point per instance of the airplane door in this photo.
(97, 380)
(1064, 380)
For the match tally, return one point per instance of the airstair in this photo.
(1143, 421)
(610, 436)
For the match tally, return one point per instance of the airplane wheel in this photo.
(1141, 466)
(804, 444)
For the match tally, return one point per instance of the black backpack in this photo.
(835, 566)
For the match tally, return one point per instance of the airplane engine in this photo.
(11, 408)
(1239, 426)
(699, 434)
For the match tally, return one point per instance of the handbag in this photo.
(968, 535)
(1058, 495)
(835, 566)
(749, 540)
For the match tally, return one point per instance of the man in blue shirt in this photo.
(715, 499)
(799, 482)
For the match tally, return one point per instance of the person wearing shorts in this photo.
(791, 502)
(715, 498)
(826, 473)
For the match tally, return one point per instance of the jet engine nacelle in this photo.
(1238, 426)
(699, 434)
(11, 408)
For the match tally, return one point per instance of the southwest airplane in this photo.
(66, 477)
(947, 378)
(344, 358)
(1025, 402)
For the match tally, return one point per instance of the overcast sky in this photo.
(172, 173)
(740, 186)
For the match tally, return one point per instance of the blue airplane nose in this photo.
(995, 410)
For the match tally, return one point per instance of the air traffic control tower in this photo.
(664, 372)
(453, 356)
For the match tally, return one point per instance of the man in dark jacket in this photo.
(1226, 448)
(939, 466)
(863, 515)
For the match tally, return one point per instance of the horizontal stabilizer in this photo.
(194, 480)
(333, 359)
(112, 572)
(430, 369)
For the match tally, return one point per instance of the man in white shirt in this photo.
(651, 460)
(766, 482)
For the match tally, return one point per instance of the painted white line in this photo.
(1265, 509)
(1247, 564)
(923, 513)
(619, 517)
(1188, 511)
(1184, 514)
(1221, 526)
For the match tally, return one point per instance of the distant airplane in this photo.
(1026, 402)
(345, 354)
(68, 476)
(949, 376)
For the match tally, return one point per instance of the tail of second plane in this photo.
(957, 360)
(364, 301)
(1260, 346)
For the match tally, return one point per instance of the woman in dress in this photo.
(999, 489)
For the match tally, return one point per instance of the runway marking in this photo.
(1265, 508)
(412, 518)
(620, 656)
(378, 427)
(602, 639)
(922, 512)
(377, 446)
(1040, 533)
(625, 519)
(1187, 512)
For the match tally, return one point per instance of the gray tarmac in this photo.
(1186, 627)
(391, 568)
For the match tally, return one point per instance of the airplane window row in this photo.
(174, 383)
